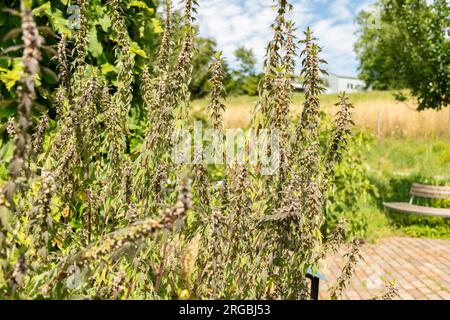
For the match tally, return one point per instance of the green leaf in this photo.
(104, 22)
(107, 68)
(157, 26)
(141, 4)
(136, 49)
(59, 22)
(44, 9)
(2, 19)
(7, 110)
(10, 77)
(94, 47)
(55, 17)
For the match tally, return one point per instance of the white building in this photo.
(336, 83)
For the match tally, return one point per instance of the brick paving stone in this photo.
(444, 294)
(405, 296)
(418, 284)
(425, 290)
(417, 294)
(420, 267)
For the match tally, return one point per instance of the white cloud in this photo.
(234, 23)
(340, 10)
(337, 41)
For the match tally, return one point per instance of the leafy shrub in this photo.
(51, 16)
(353, 191)
(250, 85)
(418, 226)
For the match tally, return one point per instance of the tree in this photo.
(205, 48)
(247, 61)
(245, 79)
(408, 46)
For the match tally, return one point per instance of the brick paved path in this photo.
(421, 268)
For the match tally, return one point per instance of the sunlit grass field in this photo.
(429, 158)
(377, 111)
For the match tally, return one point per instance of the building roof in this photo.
(344, 77)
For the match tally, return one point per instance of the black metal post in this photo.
(315, 288)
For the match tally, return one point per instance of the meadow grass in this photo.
(428, 158)
(376, 111)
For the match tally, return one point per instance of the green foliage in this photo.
(244, 79)
(240, 81)
(405, 44)
(250, 85)
(353, 192)
(247, 61)
(55, 20)
(204, 51)
(416, 226)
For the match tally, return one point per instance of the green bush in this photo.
(53, 18)
(353, 191)
(419, 226)
(250, 85)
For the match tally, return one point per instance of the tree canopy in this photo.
(406, 44)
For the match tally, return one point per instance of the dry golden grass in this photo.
(377, 111)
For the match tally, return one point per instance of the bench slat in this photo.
(420, 210)
(431, 195)
(429, 187)
(430, 190)
(426, 191)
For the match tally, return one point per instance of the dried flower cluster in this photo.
(352, 259)
(218, 94)
(390, 293)
(32, 41)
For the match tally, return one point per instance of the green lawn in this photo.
(429, 159)
(394, 164)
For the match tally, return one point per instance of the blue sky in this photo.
(234, 23)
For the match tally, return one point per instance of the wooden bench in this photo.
(423, 191)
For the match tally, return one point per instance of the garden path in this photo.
(420, 267)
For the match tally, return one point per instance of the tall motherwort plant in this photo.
(95, 219)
